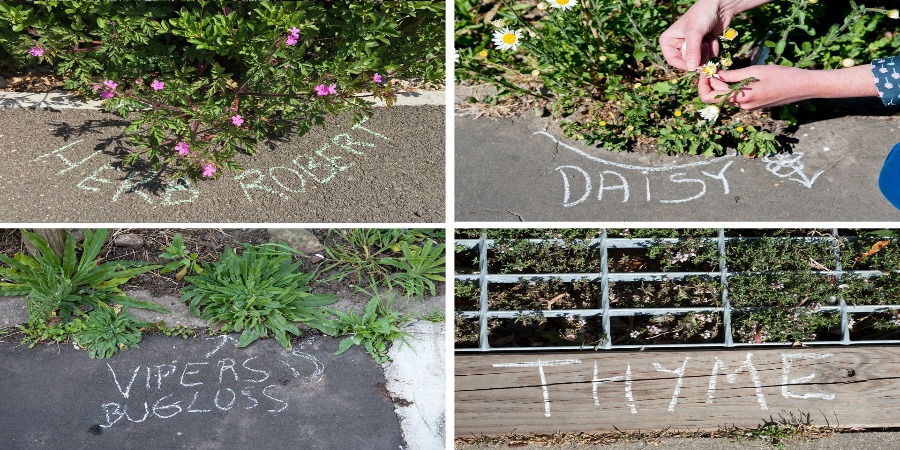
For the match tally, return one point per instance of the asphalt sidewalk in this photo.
(206, 393)
(62, 165)
(523, 169)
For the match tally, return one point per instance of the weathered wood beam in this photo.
(594, 392)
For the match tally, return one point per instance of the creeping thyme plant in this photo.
(597, 65)
(205, 81)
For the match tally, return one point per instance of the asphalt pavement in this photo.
(524, 169)
(62, 165)
(198, 393)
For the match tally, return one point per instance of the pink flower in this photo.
(291, 40)
(110, 84)
(96, 87)
(36, 51)
(227, 10)
(325, 90)
(107, 94)
(377, 77)
(209, 170)
(157, 85)
(237, 120)
(182, 148)
(294, 31)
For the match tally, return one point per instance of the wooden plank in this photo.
(595, 392)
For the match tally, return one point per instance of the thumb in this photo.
(733, 76)
(693, 49)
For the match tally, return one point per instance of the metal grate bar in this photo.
(602, 244)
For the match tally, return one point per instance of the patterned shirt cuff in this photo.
(887, 79)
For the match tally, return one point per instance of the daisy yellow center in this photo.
(562, 2)
(740, 129)
(677, 113)
(509, 38)
(730, 34)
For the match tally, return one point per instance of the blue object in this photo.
(887, 79)
(889, 179)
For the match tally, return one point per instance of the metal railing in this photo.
(602, 245)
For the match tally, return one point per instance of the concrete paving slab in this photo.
(62, 166)
(416, 382)
(524, 170)
(201, 393)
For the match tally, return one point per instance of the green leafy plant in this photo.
(409, 259)
(597, 66)
(39, 331)
(376, 329)
(106, 332)
(205, 81)
(60, 287)
(186, 262)
(256, 292)
(418, 268)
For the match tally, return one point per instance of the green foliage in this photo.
(186, 262)
(38, 331)
(256, 292)
(258, 60)
(599, 67)
(394, 258)
(375, 330)
(106, 331)
(782, 307)
(60, 287)
(418, 268)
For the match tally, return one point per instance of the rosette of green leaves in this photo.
(61, 285)
(418, 268)
(106, 331)
(375, 330)
(256, 292)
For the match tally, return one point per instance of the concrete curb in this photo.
(66, 101)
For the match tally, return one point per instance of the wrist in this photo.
(842, 83)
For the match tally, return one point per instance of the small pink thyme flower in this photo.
(291, 40)
(182, 148)
(209, 170)
(377, 77)
(237, 120)
(36, 51)
(157, 85)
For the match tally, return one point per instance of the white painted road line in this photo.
(66, 101)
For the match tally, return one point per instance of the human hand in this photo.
(690, 41)
(780, 85)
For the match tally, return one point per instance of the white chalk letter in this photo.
(540, 365)
(680, 372)
(788, 360)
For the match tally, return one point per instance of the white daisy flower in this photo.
(848, 62)
(499, 23)
(894, 14)
(710, 113)
(456, 56)
(710, 69)
(562, 4)
(507, 39)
